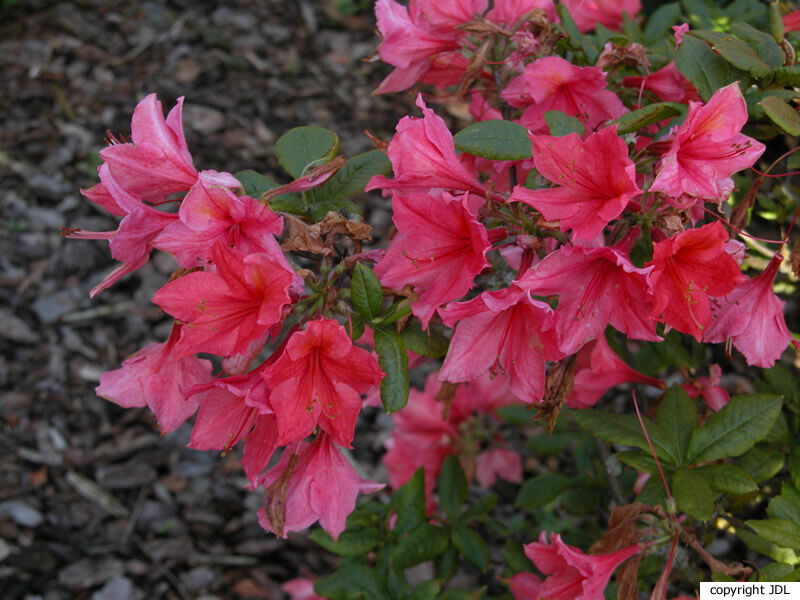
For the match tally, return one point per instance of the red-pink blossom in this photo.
(497, 462)
(318, 380)
(570, 574)
(668, 83)
(226, 309)
(440, 248)
(506, 329)
(157, 376)
(688, 268)
(596, 180)
(311, 482)
(423, 157)
(553, 83)
(713, 393)
(507, 12)
(587, 13)
(300, 588)
(707, 149)
(752, 317)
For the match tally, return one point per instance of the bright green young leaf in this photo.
(365, 292)
(781, 114)
(692, 494)
(352, 541)
(727, 478)
(782, 532)
(393, 360)
(423, 543)
(453, 488)
(775, 572)
(652, 113)
(409, 504)
(770, 549)
(431, 343)
(704, 69)
(354, 174)
(560, 124)
(735, 51)
(735, 428)
(495, 139)
(303, 146)
(677, 418)
(539, 491)
(471, 546)
(351, 581)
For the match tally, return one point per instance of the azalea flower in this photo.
(587, 13)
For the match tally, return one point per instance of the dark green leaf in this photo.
(781, 507)
(762, 463)
(782, 532)
(409, 504)
(735, 51)
(652, 113)
(352, 541)
(427, 590)
(357, 324)
(545, 443)
(303, 146)
(318, 209)
(704, 69)
(461, 594)
(794, 465)
(431, 343)
(495, 139)
(393, 359)
(255, 185)
(774, 572)
(514, 557)
(539, 491)
(660, 23)
(783, 382)
(453, 488)
(581, 42)
(788, 75)
(781, 114)
(762, 546)
(764, 44)
(639, 460)
(425, 542)
(365, 292)
(677, 418)
(560, 123)
(728, 478)
(653, 492)
(692, 494)
(622, 429)
(354, 174)
(447, 564)
(351, 581)
(479, 508)
(735, 428)
(471, 546)
(396, 311)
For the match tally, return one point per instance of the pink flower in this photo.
(707, 149)
(571, 574)
(587, 13)
(318, 380)
(595, 176)
(505, 328)
(791, 21)
(440, 248)
(507, 12)
(227, 309)
(553, 83)
(688, 268)
(752, 316)
(300, 588)
(715, 396)
(497, 462)
(451, 14)
(597, 370)
(667, 83)
(311, 482)
(596, 287)
(157, 376)
(423, 156)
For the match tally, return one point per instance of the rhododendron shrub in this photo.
(575, 320)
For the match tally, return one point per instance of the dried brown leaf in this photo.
(304, 237)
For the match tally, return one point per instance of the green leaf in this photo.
(514, 557)
(639, 460)
(462, 594)
(762, 463)
(728, 478)
(762, 43)
(788, 75)
(353, 176)
(365, 292)
(453, 488)
(762, 546)
(393, 359)
(653, 492)
(735, 428)
(781, 507)
(427, 590)
(471, 546)
(539, 491)
(581, 42)
(677, 418)
(774, 572)
(560, 123)
(255, 185)
(735, 51)
(479, 508)
(352, 541)
(622, 429)
(783, 382)
(355, 328)
(351, 581)
(301, 147)
(652, 113)
(396, 311)
(495, 139)
(447, 564)
(794, 465)
(782, 532)
(431, 343)
(408, 503)
(545, 443)
(692, 494)
(660, 23)
(781, 114)
(425, 542)
(318, 209)
(704, 69)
